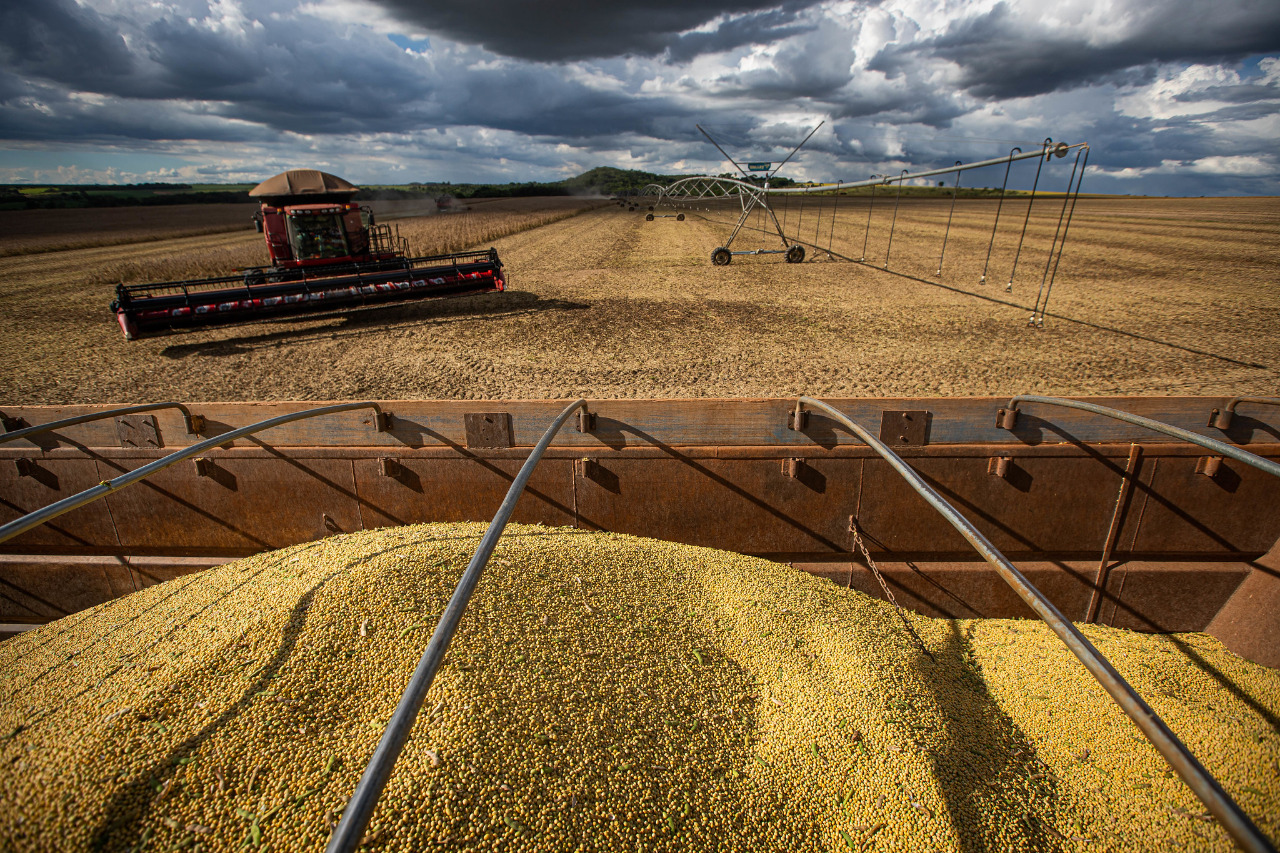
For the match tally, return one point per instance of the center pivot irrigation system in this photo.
(757, 205)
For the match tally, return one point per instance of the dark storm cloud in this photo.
(754, 28)
(514, 91)
(560, 30)
(58, 40)
(288, 74)
(1004, 55)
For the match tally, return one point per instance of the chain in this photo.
(871, 564)
(888, 593)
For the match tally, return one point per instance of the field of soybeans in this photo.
(1152, 296)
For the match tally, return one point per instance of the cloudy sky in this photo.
(1176, 97)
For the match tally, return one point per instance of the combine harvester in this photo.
(326, 253)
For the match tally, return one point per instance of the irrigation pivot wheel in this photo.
(721, 257)
(679, 217)
(648, 217)
(795, 254)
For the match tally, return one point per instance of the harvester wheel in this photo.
(795, 254)
(651, 207)
(721, 257)
(648, 217)
(679, 217)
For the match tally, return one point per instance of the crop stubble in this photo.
(1153, 296)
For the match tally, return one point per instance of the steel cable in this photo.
(999, 204)
(1008, 288)
(954, 190)
(894, 222)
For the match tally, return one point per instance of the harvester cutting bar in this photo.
(1202, 783)
(256, 294)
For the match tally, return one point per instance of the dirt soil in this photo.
(1153, 296)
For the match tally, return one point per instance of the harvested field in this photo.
(1154, 296)
(654, 696)
(31, 232)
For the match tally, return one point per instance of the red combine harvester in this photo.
(326, 252)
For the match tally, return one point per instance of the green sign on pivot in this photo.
(759, 167)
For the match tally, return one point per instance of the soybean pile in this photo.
(603, 692)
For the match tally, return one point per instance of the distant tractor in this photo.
(326, 252)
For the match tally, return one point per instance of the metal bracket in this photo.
(1209, 465)
(204, 467)
(13, 424)
(791, 467)
(1220, 418)
(791, 420)
(1006, 418)
(195, 424)
(138, 431)
(586, 421)
(382, 421)
(488, 429)
(905, 428)
(998, 466)
(26, 468)
(389, 467)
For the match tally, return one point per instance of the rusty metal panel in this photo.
(39, 590)
(964, 589)
(138, 431)
(1249, 623)
(488, 429)
(28, 484)
(905, 428)
(243, 505)
(149, 572)
(746, 505)
(1041, 504)
(624, 423)
(425, 489)
(1179, 511)
(1168, 597)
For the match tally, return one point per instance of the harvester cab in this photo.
(326, 252)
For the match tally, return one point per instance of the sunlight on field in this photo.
(1153, 296)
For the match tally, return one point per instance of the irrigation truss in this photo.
(824, 219)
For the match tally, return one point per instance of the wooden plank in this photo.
(626, 423)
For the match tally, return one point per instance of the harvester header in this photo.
(326, 252)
